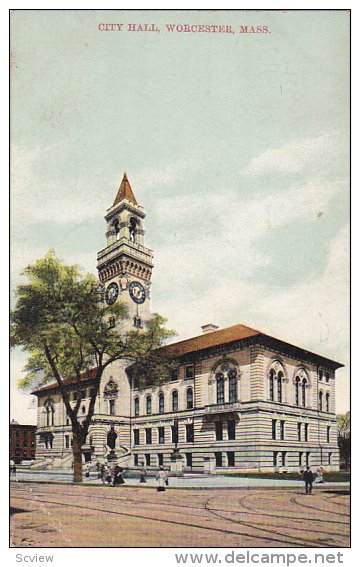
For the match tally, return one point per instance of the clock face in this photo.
(137, 292)
(111, 293)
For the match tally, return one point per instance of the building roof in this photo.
(125, 192)
(213, 339)
(85, 377)
(208, 340)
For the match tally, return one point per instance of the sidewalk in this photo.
(187, 481)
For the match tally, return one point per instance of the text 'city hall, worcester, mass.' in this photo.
(239, 398)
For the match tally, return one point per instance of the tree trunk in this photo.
(77, 444)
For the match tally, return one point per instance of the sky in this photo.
(235, 144)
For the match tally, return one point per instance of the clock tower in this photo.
(125, 265)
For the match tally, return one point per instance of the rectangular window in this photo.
(300, 459)
(136, 460)
(148, 435)
(218, 431)
(188, 457)
(161, 432)
(321, 374)
(329, 459)
(160, 459)
(284, 458)
(299, 431)
(306, 431)
(147, 459)
(282, 430)
(136, 436)
(231, 430)
(67, 441)
(189, 433)
(218, 459)
(273, 426)
(174, 375)
(189, 372)
(328, 434)
(275, 458)
(327, 376)
(307, 459)
(174, 434)
(231, 459)
(112, 407)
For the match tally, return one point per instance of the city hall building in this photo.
(239, 399)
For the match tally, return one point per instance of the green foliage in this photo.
(344, 437)
(61, 320)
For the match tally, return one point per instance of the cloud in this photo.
(294, 156)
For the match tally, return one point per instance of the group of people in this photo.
(114, 476)
(310, 478)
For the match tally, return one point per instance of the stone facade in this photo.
(240, 399)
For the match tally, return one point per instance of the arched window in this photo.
(233, 395)
(137, 406)
(327, 402)
(189, 398)
(220, 388)
(279, 386)
(297, 391)
(148, 404)
(175, 400)
(321, 397)
(271, 384)
(161, 403)
(50, 411)
(132, 229)
(303, 386)
(116, 226)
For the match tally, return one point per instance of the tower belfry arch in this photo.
(125, 264)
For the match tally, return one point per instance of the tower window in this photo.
(132, 229)
(137, 322)
(148, 404)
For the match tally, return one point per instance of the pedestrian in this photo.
(162, 480)
(309, 479)
(319, 475)
(143, 473)
(118, 476)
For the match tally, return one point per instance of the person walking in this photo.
(143, 473)
(118, 476)
(309, 479)
(162, 480)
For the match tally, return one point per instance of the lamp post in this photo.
(176, 458)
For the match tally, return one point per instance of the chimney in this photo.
(209, 328)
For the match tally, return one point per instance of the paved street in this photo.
(54, 515)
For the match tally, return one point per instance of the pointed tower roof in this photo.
(125, 192)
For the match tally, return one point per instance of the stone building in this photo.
(239, 399)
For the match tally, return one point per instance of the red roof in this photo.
(207, 340)
(125, 192)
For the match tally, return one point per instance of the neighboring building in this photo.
(22, 442)
(239, 398)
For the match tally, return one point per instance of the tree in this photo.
(344, 442)
(63, 323)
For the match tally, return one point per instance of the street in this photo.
(53, 515)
